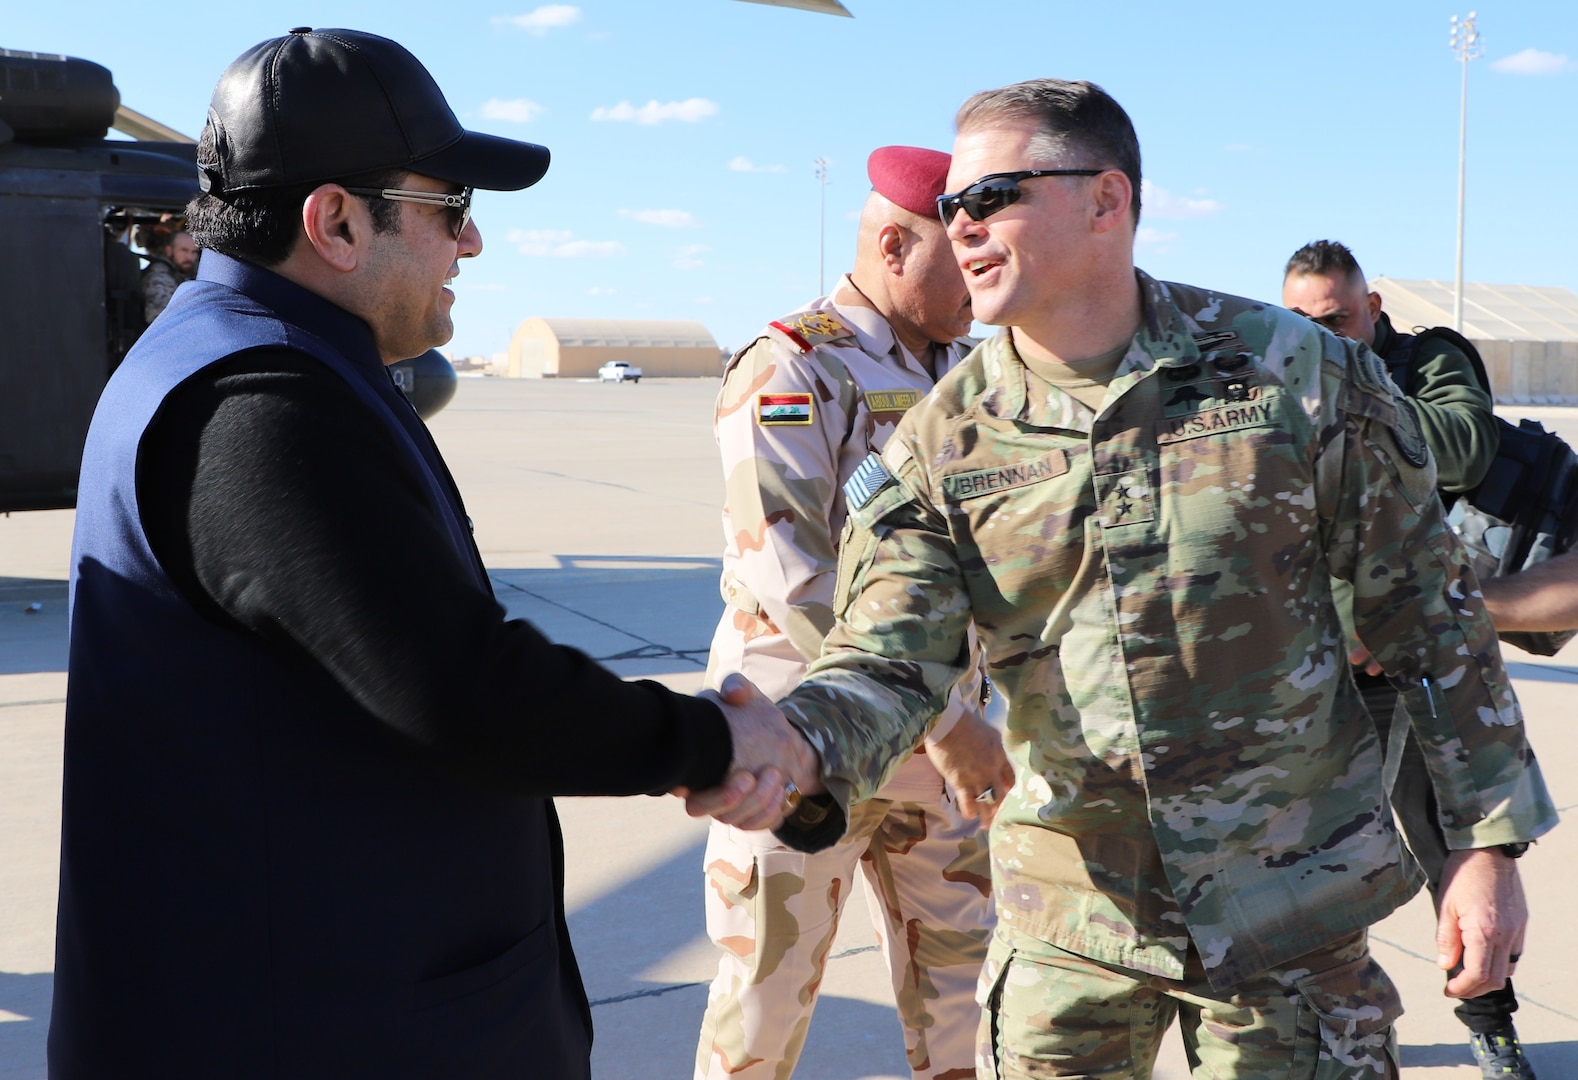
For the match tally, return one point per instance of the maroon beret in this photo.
(909, 176)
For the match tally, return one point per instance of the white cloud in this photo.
(669, 219)
(589, 249)
(744, 164)
(561, 244)
(601, 290)
(685, 257)
(1146, 235)
(1533, 62)
(690, 111)
(540, 21)
(703, 300)
(516, 110)
(1159, 202)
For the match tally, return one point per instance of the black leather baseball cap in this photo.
(318, 105)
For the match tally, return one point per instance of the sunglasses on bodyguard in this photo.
(459, 205)
(996, 191)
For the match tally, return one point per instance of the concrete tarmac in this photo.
(596, 510)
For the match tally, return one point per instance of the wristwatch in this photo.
(1513, 851)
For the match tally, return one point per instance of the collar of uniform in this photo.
(1166, 337)
(297, 306)
(1384, 333)
(872, 331)
(1005, 375)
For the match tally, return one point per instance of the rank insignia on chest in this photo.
(774, 409)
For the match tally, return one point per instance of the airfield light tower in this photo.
(821, 225)
(1466, 43)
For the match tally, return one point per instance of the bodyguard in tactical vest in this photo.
(1323, 282)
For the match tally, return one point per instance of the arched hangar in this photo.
(575, 348)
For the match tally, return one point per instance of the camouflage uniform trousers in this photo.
(773, 912)
(1327, 1015)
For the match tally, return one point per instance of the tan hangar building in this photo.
(1527, 334)
(575, 348)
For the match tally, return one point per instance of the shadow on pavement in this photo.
(1549, 1059)
(32, 626)
(629, 930)
(22, 1040)
(622, 607)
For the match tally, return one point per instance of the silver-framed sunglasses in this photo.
(458, 203)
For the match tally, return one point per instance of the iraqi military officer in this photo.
(799, 410)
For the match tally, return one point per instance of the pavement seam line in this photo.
(629, 654)
(1523, 999)
(40, 701)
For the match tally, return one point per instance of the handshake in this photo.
(773, 763)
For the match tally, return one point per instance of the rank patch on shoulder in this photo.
(783, 409)
(1408, 436)
(892, 400)
(869, 477)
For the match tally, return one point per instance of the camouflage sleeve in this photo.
(1418, 609)
(158, 285)
(1456, 416)
(781, 480)
(899, 645)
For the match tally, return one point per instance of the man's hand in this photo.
(1482, 920)
(768, 754)
(1360, 657)
(972, 760)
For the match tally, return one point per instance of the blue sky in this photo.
(684, 131)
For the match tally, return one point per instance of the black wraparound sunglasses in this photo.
(996, 191)
(458, 203)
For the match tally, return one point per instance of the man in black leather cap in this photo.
(307, 830)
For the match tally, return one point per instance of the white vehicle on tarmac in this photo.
(618, 371)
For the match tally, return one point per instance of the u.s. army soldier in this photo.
(799, 410)
(1140, 493)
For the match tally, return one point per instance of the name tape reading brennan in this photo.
(1018, 474)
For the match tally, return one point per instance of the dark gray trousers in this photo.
(1414, 803)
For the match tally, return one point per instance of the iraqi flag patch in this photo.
(783, 409)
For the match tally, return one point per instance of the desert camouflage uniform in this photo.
(799, 410)
(1152, 586)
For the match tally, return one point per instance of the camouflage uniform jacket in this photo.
(1152, 586)
(800, 408)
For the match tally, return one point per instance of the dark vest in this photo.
(257, 879)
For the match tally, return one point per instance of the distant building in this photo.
(575, 348)
(1527, 335)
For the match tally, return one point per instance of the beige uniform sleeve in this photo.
(781, 485)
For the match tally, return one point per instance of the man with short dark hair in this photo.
(307, 828)
(1140, 492)
(1323, 282)
(172, 259)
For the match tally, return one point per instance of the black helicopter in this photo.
(71, 304)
